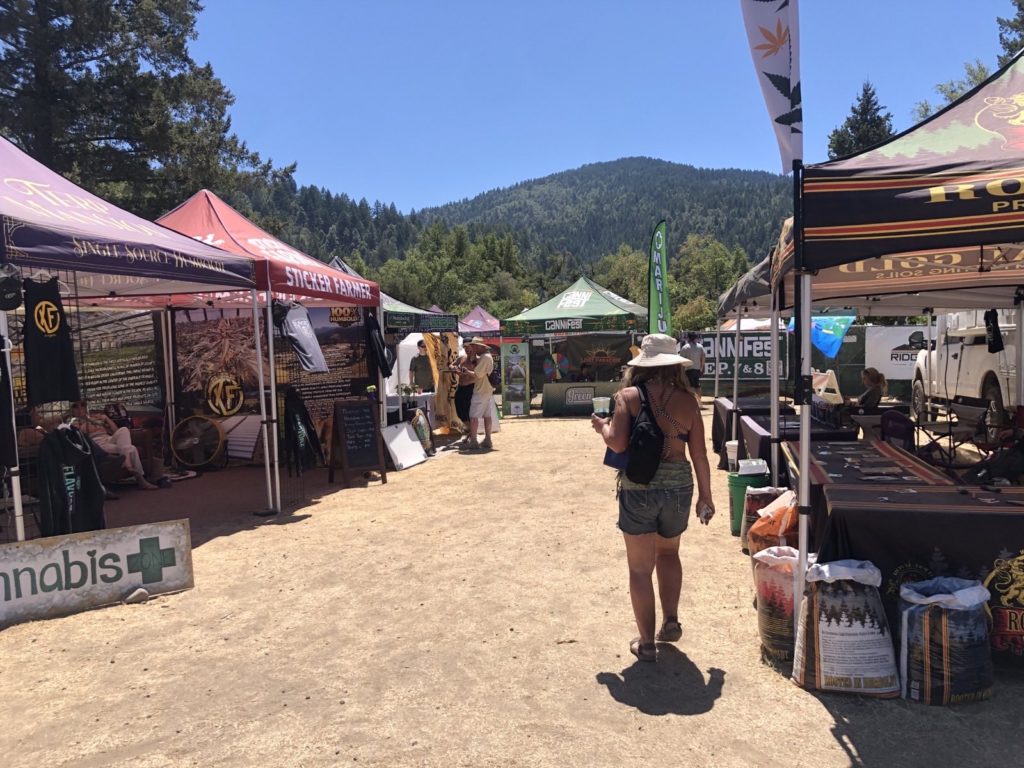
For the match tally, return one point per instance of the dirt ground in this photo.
(472, 612)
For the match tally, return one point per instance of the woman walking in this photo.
(652, 516)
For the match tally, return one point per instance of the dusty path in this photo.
(472, 612)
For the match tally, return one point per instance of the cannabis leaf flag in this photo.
(774, 33)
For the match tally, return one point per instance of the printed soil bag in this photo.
(945, 656)
(755, 500)
(773, 579)
(777, 526)
(843, 642)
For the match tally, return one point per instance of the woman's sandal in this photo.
(643, 651)
(670, 632)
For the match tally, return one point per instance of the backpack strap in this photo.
(645, 399)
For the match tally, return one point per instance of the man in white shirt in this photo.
(693, 351)
(483, 392)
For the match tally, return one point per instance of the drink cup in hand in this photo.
(602, 406)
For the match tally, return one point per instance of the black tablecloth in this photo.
(832, 463)
(722, 416)
(755, 433)
(917, 533)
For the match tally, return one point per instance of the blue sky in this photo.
(422, 103)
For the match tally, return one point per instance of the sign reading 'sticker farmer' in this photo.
(59, 575)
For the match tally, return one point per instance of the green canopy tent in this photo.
(582, 307)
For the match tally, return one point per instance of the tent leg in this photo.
(718, 352)
(264, 427)
(15, 471)
(274, 442)
(1020, 355)
(736, 378)
(167, 337)
(773, 374)
(804, 491)
(928, 371)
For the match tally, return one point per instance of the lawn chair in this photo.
(972, 418)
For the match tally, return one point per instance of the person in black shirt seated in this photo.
(875, 386)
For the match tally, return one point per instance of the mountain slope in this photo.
(590, 211)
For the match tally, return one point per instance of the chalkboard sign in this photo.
(356, 445)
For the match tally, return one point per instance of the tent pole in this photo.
(382, 395)
(1020, 354)
(926, 416)
(718, 352)
(736, 377)
(773, 378)
(167, 337)
(274, 446)
(804, 389)
(15, 471)
(263, 400)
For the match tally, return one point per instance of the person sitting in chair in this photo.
(875, 385)
(112, 439)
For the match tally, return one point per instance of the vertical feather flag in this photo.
(773, 30)
(659, 318)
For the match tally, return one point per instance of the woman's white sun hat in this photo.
(657, 350)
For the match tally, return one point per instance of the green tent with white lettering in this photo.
(582, 307)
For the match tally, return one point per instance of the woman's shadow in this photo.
(673, 686)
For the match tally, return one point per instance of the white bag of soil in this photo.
(843, 642)
(945, 656)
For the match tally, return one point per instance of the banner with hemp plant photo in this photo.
(216, 362)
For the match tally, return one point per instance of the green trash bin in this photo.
(738, 485)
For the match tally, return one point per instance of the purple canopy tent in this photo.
(479, 322)
(50, 223)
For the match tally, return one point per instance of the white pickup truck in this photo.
(962, 365)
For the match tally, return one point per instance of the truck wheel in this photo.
(918, 402)
(996, 414)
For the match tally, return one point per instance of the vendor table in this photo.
(914, 533)
(576, 399)
(424, 401)
(859, 463)
(756, 435)
(723, 414)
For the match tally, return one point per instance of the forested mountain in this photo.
(509, 248)
(589, 212)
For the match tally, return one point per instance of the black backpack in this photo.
(494, 377)
(646, 442)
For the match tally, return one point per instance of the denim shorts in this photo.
(665, 511)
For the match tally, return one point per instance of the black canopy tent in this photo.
(952, 182)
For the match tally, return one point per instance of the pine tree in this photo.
(866, 126)
(974, 74)
(1011, 33)
(107, 93)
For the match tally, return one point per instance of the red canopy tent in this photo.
(280, 268)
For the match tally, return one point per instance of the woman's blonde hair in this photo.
(876, 378)
(672, 375)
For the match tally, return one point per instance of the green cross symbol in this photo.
(151, 560)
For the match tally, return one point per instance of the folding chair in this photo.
(898, 429)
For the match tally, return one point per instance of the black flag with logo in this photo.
(50, 374)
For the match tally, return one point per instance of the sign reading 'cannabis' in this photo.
(59, 575)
